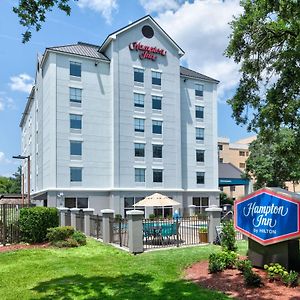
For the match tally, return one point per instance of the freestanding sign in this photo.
(270, 218)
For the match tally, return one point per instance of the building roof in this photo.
(185, 72)
(228, 170)
(82, 49)
(246, 141)
(11, 199)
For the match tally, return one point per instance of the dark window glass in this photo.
(157, 175)
(128, 202)
(75, 69)
(200, 155)
(148, 31)
(138, 75)
(75, 148)
(196, 201)
(70, 202)
(75, 95)
(199, 112)
(82, 203)
(156, 78)
(200, 134)
(139, 150)
(75, 121)
(220, 147)
(199, 90)
(139, 175)
(157, 151)
(76, 174)
(200, 177)
(139, 100)
(220, 159)
(139, 125)
(156, 102)
(157, 127)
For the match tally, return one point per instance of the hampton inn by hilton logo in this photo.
(147, 52)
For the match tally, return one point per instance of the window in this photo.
(82, 202)
(157, 151)
(75, 121)
(72, 202)
(139, 150)
(156, 78)
(156, 102)
(139, 125)
(75, 174)
(200, 177)
(220, 147)
(157, 127)
(200, 155)
(138, 75)
(232, 188)
(157, 175)
(199, 90)
(75, 69)
(139, 175)
(200, 134)
(220, 159)
(129, 203)
(201, 203)
(75, 95)
(139, 100)
(199, 112)
(242, 165)
(75, 148)
(242, 153)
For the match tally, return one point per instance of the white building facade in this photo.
(107, 126)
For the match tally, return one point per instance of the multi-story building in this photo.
(108, 125)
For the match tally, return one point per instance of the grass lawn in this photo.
(98, 271)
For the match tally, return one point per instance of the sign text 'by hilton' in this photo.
(147, 52)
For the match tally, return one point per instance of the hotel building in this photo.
(106, 126)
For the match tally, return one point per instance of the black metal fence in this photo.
(179, 232)
(96, 226)
(9, 223)
(119, 229)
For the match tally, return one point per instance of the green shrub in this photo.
(275, 271)
(215, 263)
(79, 237)
(68, 243)
(60, 233)
(203, 230)
(251, 278)
(290, 279)
(34, 222)
(243, 265)
(228, 241)
(118, 217)
(152, 216)
(229, 258)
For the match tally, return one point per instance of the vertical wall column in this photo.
(74, 212)
(107, 231)
(87, 224)
(62, 215)
(135, 231)
(214, 218)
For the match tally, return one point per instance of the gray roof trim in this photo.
(25, 113)
(228, 170)
(188, 73)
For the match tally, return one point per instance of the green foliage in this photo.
(224, 199)
(35, 221)
(32, 13)
(228, 241)
(229, 258)
(290, 279)
(118, 217)
(243, 265)
(79, 237)
(11, 185)
(60, 233)
(265, 41)
(203, 230)
(68, 243)
(251, 278)
(275, 159)
(215, 263)
(152, 216)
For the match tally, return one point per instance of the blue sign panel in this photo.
(268, 217)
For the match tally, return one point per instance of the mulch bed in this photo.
(22, 246)
(231, 283)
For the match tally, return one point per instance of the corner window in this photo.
(200, 134)
(75, 174)
(139, 125)
(139, 150)
(156, 78)
(201, 203)
(76, 148)
(75, 95)
(157, 151)
(198, 90)
(220, 147)
(139, 175)
(72, 202)
(157, 175)
(82, 202)
(200, 177)
(138, 75)
(200, 155)
(199, 112)
(156, 102)
(157, 127)
(242, 153)
(75, 121)
(138, 100)
(75, 69)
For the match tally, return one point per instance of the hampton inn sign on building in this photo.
(108, 125)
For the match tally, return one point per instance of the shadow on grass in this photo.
(133, 286)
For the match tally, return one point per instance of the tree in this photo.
(265, 41)
(274, 160)
(11, 185)
(32, 13)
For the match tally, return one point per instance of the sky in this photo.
(199, 27)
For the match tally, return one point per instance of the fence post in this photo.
(135, 231)
(214, 218)
(87, 225)
(4, 225)
(62, 215)
(192, 210)
(106, 215)
(74, 211)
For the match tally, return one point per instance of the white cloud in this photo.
(105, 7)
(3, 159)
(22, 82)
(159, 5)
(201, 29)
(6, 103)
(1, 105)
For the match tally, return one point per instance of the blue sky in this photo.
(199, 27)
